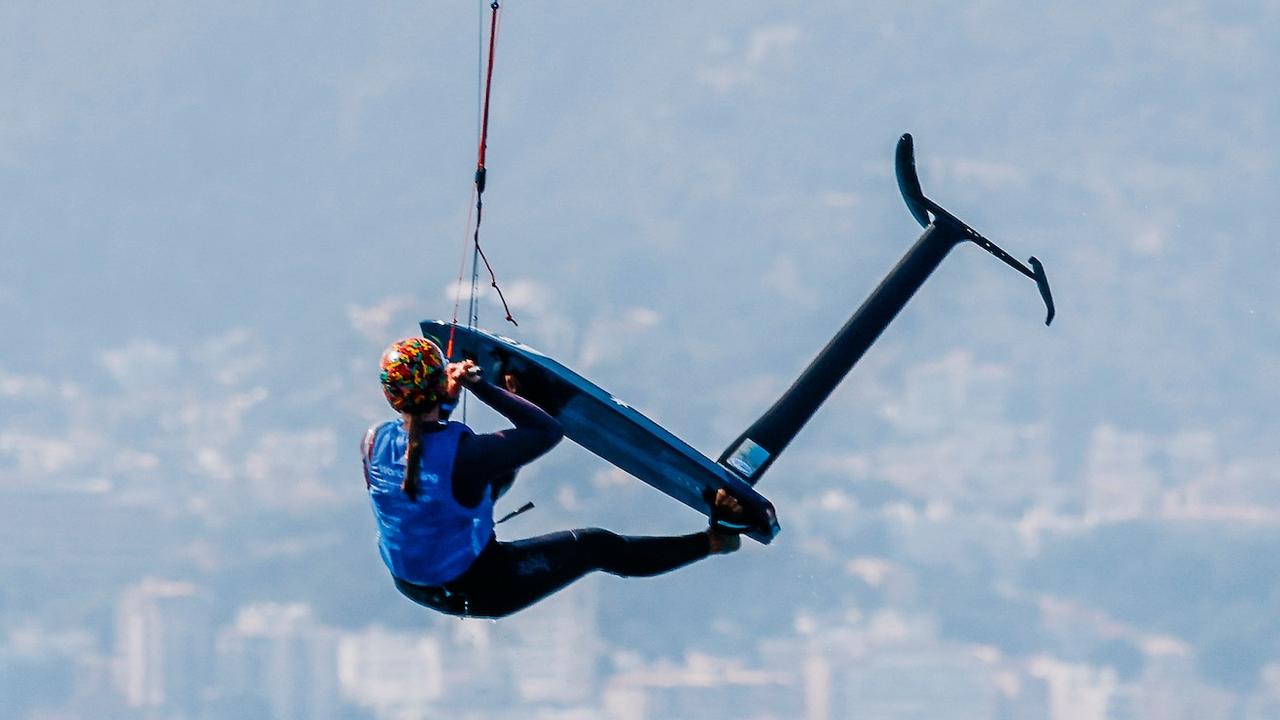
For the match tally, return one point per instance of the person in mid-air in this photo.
(433, 483)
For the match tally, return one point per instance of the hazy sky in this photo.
(215, 215)
(685, 200)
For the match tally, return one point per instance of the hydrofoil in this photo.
(621, 435)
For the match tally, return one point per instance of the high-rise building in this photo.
(706, 687)
(939, 683)
(164, 647)
(555, 647)
(1076, 691)
(394, 674)
(280, 659)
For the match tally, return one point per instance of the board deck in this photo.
(605, 425)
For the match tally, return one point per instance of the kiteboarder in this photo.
(433, 482)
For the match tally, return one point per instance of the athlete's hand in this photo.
(460, 374)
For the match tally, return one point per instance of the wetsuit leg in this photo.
(510, 576)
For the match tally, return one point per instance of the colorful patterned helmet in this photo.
(413, 376)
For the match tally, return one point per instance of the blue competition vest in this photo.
(434, 539)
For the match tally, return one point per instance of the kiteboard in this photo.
(605, 425)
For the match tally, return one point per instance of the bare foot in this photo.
(726, 514)
(727, 509)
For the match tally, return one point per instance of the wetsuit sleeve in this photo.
(493, 458)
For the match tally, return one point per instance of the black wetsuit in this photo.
(510, 576)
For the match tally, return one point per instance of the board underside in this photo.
(604, 425)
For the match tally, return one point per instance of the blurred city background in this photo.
(216, 215)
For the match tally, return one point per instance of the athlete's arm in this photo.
(493, 458)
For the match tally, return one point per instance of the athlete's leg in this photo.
(511, 576)
(508, 577)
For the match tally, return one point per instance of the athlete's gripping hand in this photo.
(461, 374)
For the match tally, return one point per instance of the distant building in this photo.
(954, 443)
(555, 647)
(1180, 476)
(1021, 696)
(1172, 688)
(952, 391)
(888, 665)
(942, 537)
(55, 673)
(704, 687)
(1076, 691)
(34, 674)
(938, 683)
(477, 676)
(1120, 476)
(395, 675)
(164, 645)
(283, 661)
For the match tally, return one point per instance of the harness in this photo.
(436, 597)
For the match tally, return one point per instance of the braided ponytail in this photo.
(412, 456)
